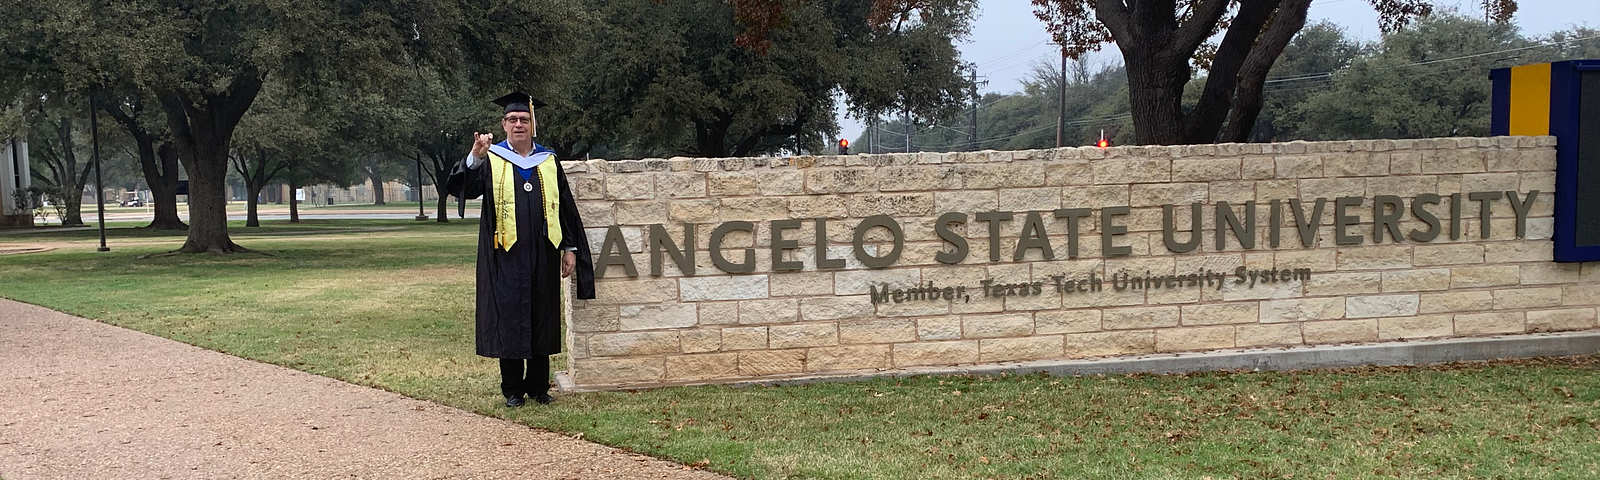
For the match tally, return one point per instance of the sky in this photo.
(1006, 38)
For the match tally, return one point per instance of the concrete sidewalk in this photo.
(82, 399)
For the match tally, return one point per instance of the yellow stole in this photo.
(505, 199)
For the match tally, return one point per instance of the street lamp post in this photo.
(99, 187)
(421, 216)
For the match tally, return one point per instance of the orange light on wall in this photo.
(844, 146)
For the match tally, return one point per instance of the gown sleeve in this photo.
(572, 235)
(465, 182)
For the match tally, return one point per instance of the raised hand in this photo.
(480, 146)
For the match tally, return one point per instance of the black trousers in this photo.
(517, 380)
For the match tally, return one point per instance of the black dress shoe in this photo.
(543, 398)
(515, 401)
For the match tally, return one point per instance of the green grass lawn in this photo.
(392, 309)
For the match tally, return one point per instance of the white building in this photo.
(14, 176)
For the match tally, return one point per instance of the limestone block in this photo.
(718, 313)
(1047, 300)
(1515, 298)
(1340, 331)
(1095, 197)
(1066, 321)
(1063, 173)
(967, 201)
(919, 177)
(619, 371)
(778, 310)
(1456, 302)
(1549, 273)
(1106, 298)
(1332, 188)
(1258, 168)
(701, 340)
(1370, 258)
(1416, 280)
(1194, 338)
(1168, 296)
(588, 187)
(1544, 182)
(781, 182)
(755, 209)
(892, 204)
(1319, 261)
(1298, 166)
(944, 328)
(1267, 335)
(681, 185)
(993, 326)
(1405, 163)
(1041, 199)
(595, 318)
(1451, 161)
(698, 211)
(1406, 186)
(856, 282)
(1448, 254)
(1581, 294)
(772, 362)
(836, 308)
(878, 331)
(1301, 310)
(732, 184)
(1374, 306)
(1205, 169)
(634, 344)
(1487, 276)
(1491, 182)
(1233, 290)
(1109, 343)
(995, 175)
(664, 315)
(744, 338)
(1269, 190)
(803, 335)
(1132, 170)
(630, 187)
(740, 287)
(853, 180)
(1019, 349)
(1559, 320)
(702, 367)
(1219, 314)
(936, 353)
(596, 213)
(642, 212)
(1422, 326)
(1140, 317)
(819, 206)
(1489, 323)
(854, 357)
(1179, 194)
(624, 291)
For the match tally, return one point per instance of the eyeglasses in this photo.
(516, 120)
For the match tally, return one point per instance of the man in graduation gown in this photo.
(529, 238)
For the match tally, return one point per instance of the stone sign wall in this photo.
(712, 270)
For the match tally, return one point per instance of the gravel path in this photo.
(82, 399)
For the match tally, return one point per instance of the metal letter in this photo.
(1340, 220)
(660, 241)
(749, 264)
(1169, 229)
(942, 227)
(615, 242)
(1389, 221)
(1033, 236)
(1108, 231)
(898, 236)
(779, 245)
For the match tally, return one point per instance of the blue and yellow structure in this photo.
(1560, 99)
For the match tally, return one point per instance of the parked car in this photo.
(133, 202)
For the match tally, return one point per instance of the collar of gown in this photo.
(539, 155)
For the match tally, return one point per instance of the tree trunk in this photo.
(444, 202)
(202, 127)
(163, 187)
(294, 203)
(251, 200)
(377, 190)
(1155, 95)
(71, 189)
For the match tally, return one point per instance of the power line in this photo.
(1299, 77)
(1012, 54)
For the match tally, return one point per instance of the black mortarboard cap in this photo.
(518, 102)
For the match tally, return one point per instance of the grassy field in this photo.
(390, 307)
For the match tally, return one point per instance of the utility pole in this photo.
(1061, 113)
(908, 131)
(872, 134)
(972, 138)
(99, 187)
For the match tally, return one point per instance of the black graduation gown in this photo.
(519, 292)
